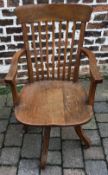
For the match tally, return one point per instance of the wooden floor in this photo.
(54, 103)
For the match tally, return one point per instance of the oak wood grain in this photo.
(53, 103)
(45, 12)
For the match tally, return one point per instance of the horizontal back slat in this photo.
(43, 12)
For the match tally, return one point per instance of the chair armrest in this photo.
(93, 67)
(95, 75)
(13, 68)
(10, 77)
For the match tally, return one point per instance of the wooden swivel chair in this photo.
(53, 96)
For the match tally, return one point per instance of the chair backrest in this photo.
(53, 35)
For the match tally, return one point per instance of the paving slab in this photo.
(101, 107)
(69, 133)
(9, 100)
(91, 124)
(34, 129)
(5, 112)
(31, 146)
(28, 167)
(13, 119)
(102, 91)
(96, 168)
(52, 170)
(103, 128)
(9, 156)
(14, 135)
(3, 100)
(94, 152)
(72, 154)
(105, 144)
(55, 144)
(3, 125)
(6, 170)
(102, 118)
(1, 140)
(54, 157)
(73, 172)
(55, 132)
(94, 137)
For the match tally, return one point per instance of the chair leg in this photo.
(45, 145)
(82, 136)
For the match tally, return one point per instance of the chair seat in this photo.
(54, 103)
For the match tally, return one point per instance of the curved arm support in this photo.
(13, 68)
(10, 77)
(93, 66)
(95, 74)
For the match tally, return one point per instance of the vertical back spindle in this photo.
(66, 42)
(35, 52)
(80, 44)
(53, 46)
(60, 27)
(40, 43)
(28, 54)
(71, 50)
(46, 23)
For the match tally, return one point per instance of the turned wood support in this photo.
(45, 144)
(15, 95)
(82, 136)
(91, 95)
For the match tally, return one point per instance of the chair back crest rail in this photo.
(53, 35)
